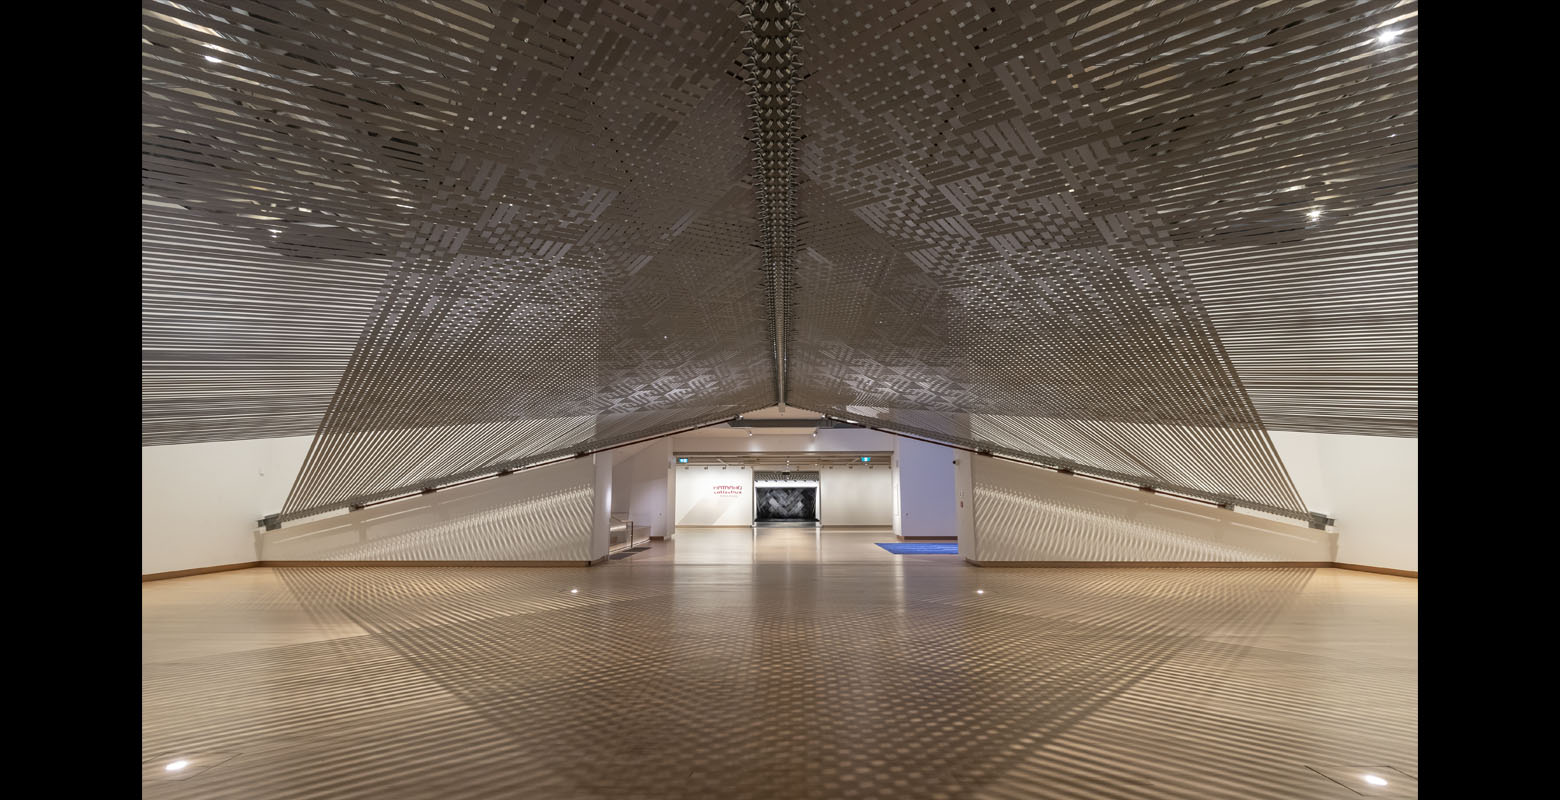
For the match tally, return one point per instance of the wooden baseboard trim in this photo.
(1402, 573)
(657, 538)
(824, 525)
(1168, 564)
(184, 573)
(429, 563)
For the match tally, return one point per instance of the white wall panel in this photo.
(1369, 484)
(200, 503)
(714, 496)
(543, 514)
(1024, 513)
(927, 504)
(856, 496)
(648, 489)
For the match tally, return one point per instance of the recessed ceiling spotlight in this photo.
(214, 59)
(574, 591)
(1315, 215)
(1386, 36)
(980, 591)
(177, 765)
(1375, 781)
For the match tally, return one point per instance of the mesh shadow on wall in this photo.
(548, 527)
(1019, 527)
(466, 451)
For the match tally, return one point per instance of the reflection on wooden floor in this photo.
(781, 545)
(904, 677)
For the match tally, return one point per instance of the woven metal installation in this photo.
(545, 212)
(773, 77)
(995, 200)
(595, 259)
(450, 239)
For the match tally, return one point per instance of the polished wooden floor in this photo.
(775, 545)
(700, 669)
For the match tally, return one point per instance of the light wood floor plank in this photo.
(789, 677)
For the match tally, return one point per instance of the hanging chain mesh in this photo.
(449, 239)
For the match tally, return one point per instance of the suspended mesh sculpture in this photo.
(448, 240)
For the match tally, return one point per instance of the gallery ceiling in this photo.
(450, 238)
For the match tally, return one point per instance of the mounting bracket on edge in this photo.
(271, 523)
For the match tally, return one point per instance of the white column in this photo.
(899, 530)
(601, 507)
(964, 504)
(671, 501)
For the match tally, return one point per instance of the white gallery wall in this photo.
(925, 479)
(647, 488)
(1024, 513)
(623, 476)
(714, 496)
(861, 495)
(556, 513)
(864, 500)
(201, 503)
(1368, 484)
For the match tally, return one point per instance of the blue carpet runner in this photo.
(920, 548)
